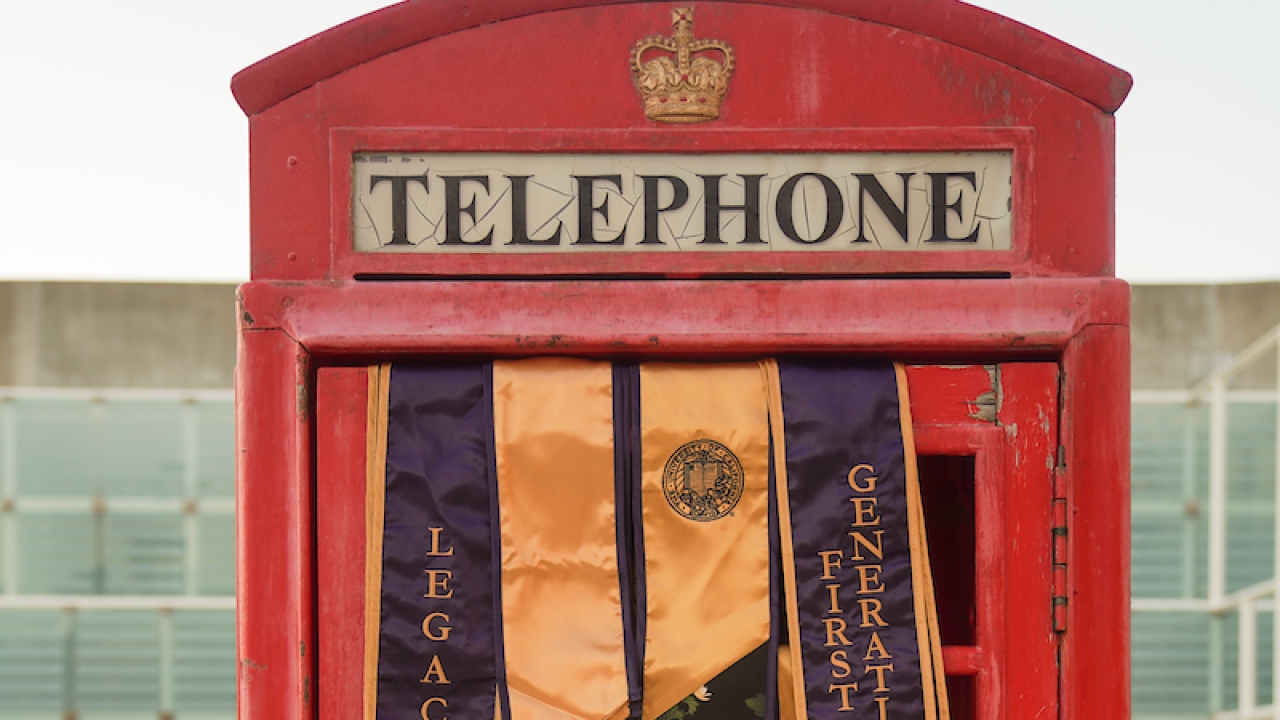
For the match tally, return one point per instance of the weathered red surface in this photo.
(360, 40)
(905, 319)
(819, 75)
(1028, 415)
(275, 545)
(932, 74)
(341, 413)
(956, 411)
(1095, 436)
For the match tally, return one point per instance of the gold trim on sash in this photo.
(375, 438)
(561, 600)
(932, 674)
(706, 567)
(792, 702)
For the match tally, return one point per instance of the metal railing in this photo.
(72, 606)
(95, 505)
(1247, 602)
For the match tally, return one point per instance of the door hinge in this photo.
(1059, 551)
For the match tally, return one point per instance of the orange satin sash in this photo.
(932, 674)
(561, 602)
(375, 497)
(792, 703)
(707, 581)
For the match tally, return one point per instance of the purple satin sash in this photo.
(838, 418)
(439, 450)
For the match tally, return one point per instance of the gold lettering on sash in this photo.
(435, 668)
(443, 630)
(879, 670)
(871, 611)
(827, 563)
(835, 600)
(844, 694)
(864, 511)
(840, 664)
(426, 708)
(867, 545)
(435, 544)
(435, 626)
(860, 541)
(835, 627)
(438, 581)
(876, 647)
(869, 485)
(869, 575)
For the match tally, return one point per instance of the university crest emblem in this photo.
(703, 480)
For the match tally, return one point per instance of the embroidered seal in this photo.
(703, 480)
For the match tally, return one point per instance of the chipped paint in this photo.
(984, 407)
(993, 372)
(303, 401)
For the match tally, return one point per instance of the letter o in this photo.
(871, 480)
(426, 708)
(786, 198)
(428, 630)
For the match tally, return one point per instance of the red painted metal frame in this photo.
(341, 414)
(346, 142)
(1082, 324)
(987, 658)
(275, 542)
(845, 75)
(1028, 407)
(296, 68)
(1095, 481)
(838, 75)
(921, 318)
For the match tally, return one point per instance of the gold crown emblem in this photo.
(690, 89)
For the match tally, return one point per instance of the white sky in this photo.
(126, 155)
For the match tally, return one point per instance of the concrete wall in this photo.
(159, 335)
(116, 335)
(1181, 333)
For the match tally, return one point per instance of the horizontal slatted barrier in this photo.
(116, 554)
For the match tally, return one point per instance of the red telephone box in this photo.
(933, 184)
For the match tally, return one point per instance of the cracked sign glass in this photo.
(512, 203)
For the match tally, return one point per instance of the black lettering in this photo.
(453, 209)
(520, 215)
(941, 207)
(587, 209)
(869, 185)
(680, 196)
(835, 208)
(399, 203)
(750, 209)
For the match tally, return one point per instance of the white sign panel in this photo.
(512, 203)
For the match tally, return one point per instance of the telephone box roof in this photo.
(292, 70)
